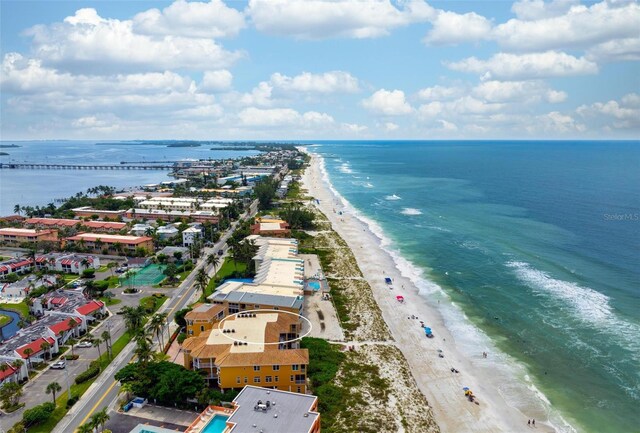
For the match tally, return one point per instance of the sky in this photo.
(342, 69)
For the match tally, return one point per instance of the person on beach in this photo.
(533, 422)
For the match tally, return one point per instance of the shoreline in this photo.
(442, 388)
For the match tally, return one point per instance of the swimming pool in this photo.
(217, 424)
(315, 285)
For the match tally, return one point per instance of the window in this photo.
(303, 367)
(295, 367)
(291, 378)
(256, 379)
(246, 379)
(256, 368)
(238, 379)
(201, 328)
(276, 368)
(257, 307)
(275, 378)
(268, 379)
(299, 390)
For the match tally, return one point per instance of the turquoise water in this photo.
(536, 242)
(39, 187)
(315, 285)
(217, 424)
(147, 276)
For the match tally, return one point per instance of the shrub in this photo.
(73, 400)
(182, 337)
(89, 373)
(89, 273)
(38, 414)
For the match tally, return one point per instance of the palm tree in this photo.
(106, 337)
(110, 266)
(133, 319)
(46, 347)
(213, 260)
(156, 325)
(28, 352)
(97, 341)
(99, 419)
(16, 209)
(202, 279)
(85, 428)
(72, 325)
(53, 388)
(143, 348)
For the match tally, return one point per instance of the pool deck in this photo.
(203, 419)
(162, 414)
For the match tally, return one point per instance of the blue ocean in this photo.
(536, 243)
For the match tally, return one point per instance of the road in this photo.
(105, 389)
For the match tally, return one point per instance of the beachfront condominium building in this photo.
(11, 236)
(259, 348)
(89, 212)
(202, 318)
(270, 227)
(273, 411)
(60, 223)
(200, 216)
(278, 284)
(98, 243)
(184, 204)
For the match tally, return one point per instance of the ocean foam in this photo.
(393, 197)
(410, 211)
(469, 339)
(588, 305)
(345, 168)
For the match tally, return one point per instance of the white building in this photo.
(141, 229)
(167, 232)
(190, 236)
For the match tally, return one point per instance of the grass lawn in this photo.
(228, 267)
(22, 308)
(70, 277)
(4, 319)
(156, 300)
(61, 401)
(110, 301)
(102, 268)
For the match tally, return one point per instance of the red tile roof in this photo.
(58, 301)
(35, 346)
(114, 239)
(60, 222)
(24, 232)
(90, 307)
(8, 372)
(63, 326)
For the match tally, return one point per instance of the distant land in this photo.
(8, 146)
(3, 154)
(220, 145)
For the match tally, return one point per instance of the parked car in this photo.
(220, 252)
(84, 344)
(59, 365)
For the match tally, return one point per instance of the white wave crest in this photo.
(393, 197)
(345, 168)
(411, 211)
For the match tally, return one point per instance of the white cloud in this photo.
(507, 66)
(328, 82)
(431, 109)
(624, 113)
(85, 42)
(450, 28)
(259, 95)
(216, 81)
(517, 91)
(439, 93)
(317, 19)
(447, 126)
(531, 10)
(388, 103)
(273, 117)
(617, 50)
(555, 123)
(390, 126)
(353, 128)
(579, 27)
(211, 19)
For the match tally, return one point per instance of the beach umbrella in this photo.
(400, 298)
(466, 388)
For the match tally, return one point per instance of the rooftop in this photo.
(287, 412)
(92, 237)
(24, 232)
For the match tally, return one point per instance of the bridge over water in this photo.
(34, 166)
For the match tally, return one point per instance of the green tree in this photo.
(10, 393)
(86, 428)
(213, 260)
(46, 347)
(171, 271)
(53, 388)
(106, 337)
(134, 319)
(28, 352)
(179, 317)
(202, 280)
(156, 325)
(99, 419)
(72, 325)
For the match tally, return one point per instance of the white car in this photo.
(84, 344)
(59, 365)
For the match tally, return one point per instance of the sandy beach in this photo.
(442, 387)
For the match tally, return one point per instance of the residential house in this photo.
(97, 242)
(12, 236)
